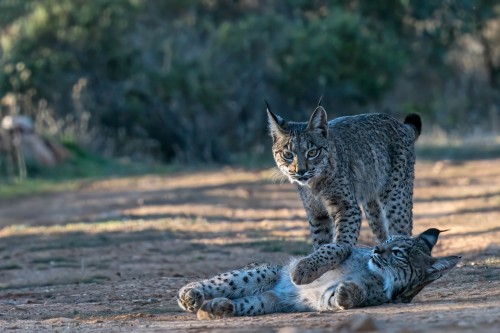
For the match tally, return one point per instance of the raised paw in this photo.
(216, 308)
(190, 299)
(306, 271)
(347, 295)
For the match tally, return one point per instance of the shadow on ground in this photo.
(115, 252)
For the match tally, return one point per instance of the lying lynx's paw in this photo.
(306, 271)
(190, 299)
(347, 296)
(216, 308)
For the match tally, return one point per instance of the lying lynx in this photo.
(338, 165)
(394, 271)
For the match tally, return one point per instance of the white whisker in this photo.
(277, 176)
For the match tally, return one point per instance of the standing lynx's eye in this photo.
(312, 153)
(287, 155)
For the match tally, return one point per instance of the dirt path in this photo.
(111, 256)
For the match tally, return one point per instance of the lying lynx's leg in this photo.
(320, 221)
(250, 280)
(216, 308)
(329, 256)
(348, 295)
(257, 305)
(191, 297)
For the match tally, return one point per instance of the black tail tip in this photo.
(414, 120)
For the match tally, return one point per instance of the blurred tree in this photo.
(190, 76)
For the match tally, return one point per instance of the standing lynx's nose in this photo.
(301, 172)
(378, 249)
(294, 169)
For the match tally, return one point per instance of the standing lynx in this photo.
(338, 165)
(394, 271)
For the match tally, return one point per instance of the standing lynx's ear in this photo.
(275, 123)
(318, 122)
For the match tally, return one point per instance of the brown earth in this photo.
(111, 256)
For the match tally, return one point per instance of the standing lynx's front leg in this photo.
(320, 221)
(328, 256)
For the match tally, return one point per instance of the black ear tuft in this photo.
(320, 98)
(430, 237)
(275, 123)
(267, 105)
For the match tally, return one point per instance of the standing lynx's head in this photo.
(300, 149)
(407, 265)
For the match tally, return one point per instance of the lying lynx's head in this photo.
(300, 149)
(407, 265)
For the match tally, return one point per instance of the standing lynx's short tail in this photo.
(413, 119)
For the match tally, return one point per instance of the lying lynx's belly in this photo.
(315, 295)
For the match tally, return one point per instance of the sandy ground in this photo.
(112, 255)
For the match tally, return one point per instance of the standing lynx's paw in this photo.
(306, 271)
(216, 308)
(190, 299)
(347, 296)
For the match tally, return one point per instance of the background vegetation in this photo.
(185, 81)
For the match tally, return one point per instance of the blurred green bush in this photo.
(185, 81)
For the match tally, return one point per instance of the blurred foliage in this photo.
(76, 172)
(185, 80)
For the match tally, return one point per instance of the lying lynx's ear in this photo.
(441, 266)
(318, 122)
(430, 237)
(275, 123)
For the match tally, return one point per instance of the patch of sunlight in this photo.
(242, 241)
(100, 227)
(191, 225)
(60, 280)
(490, 261)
